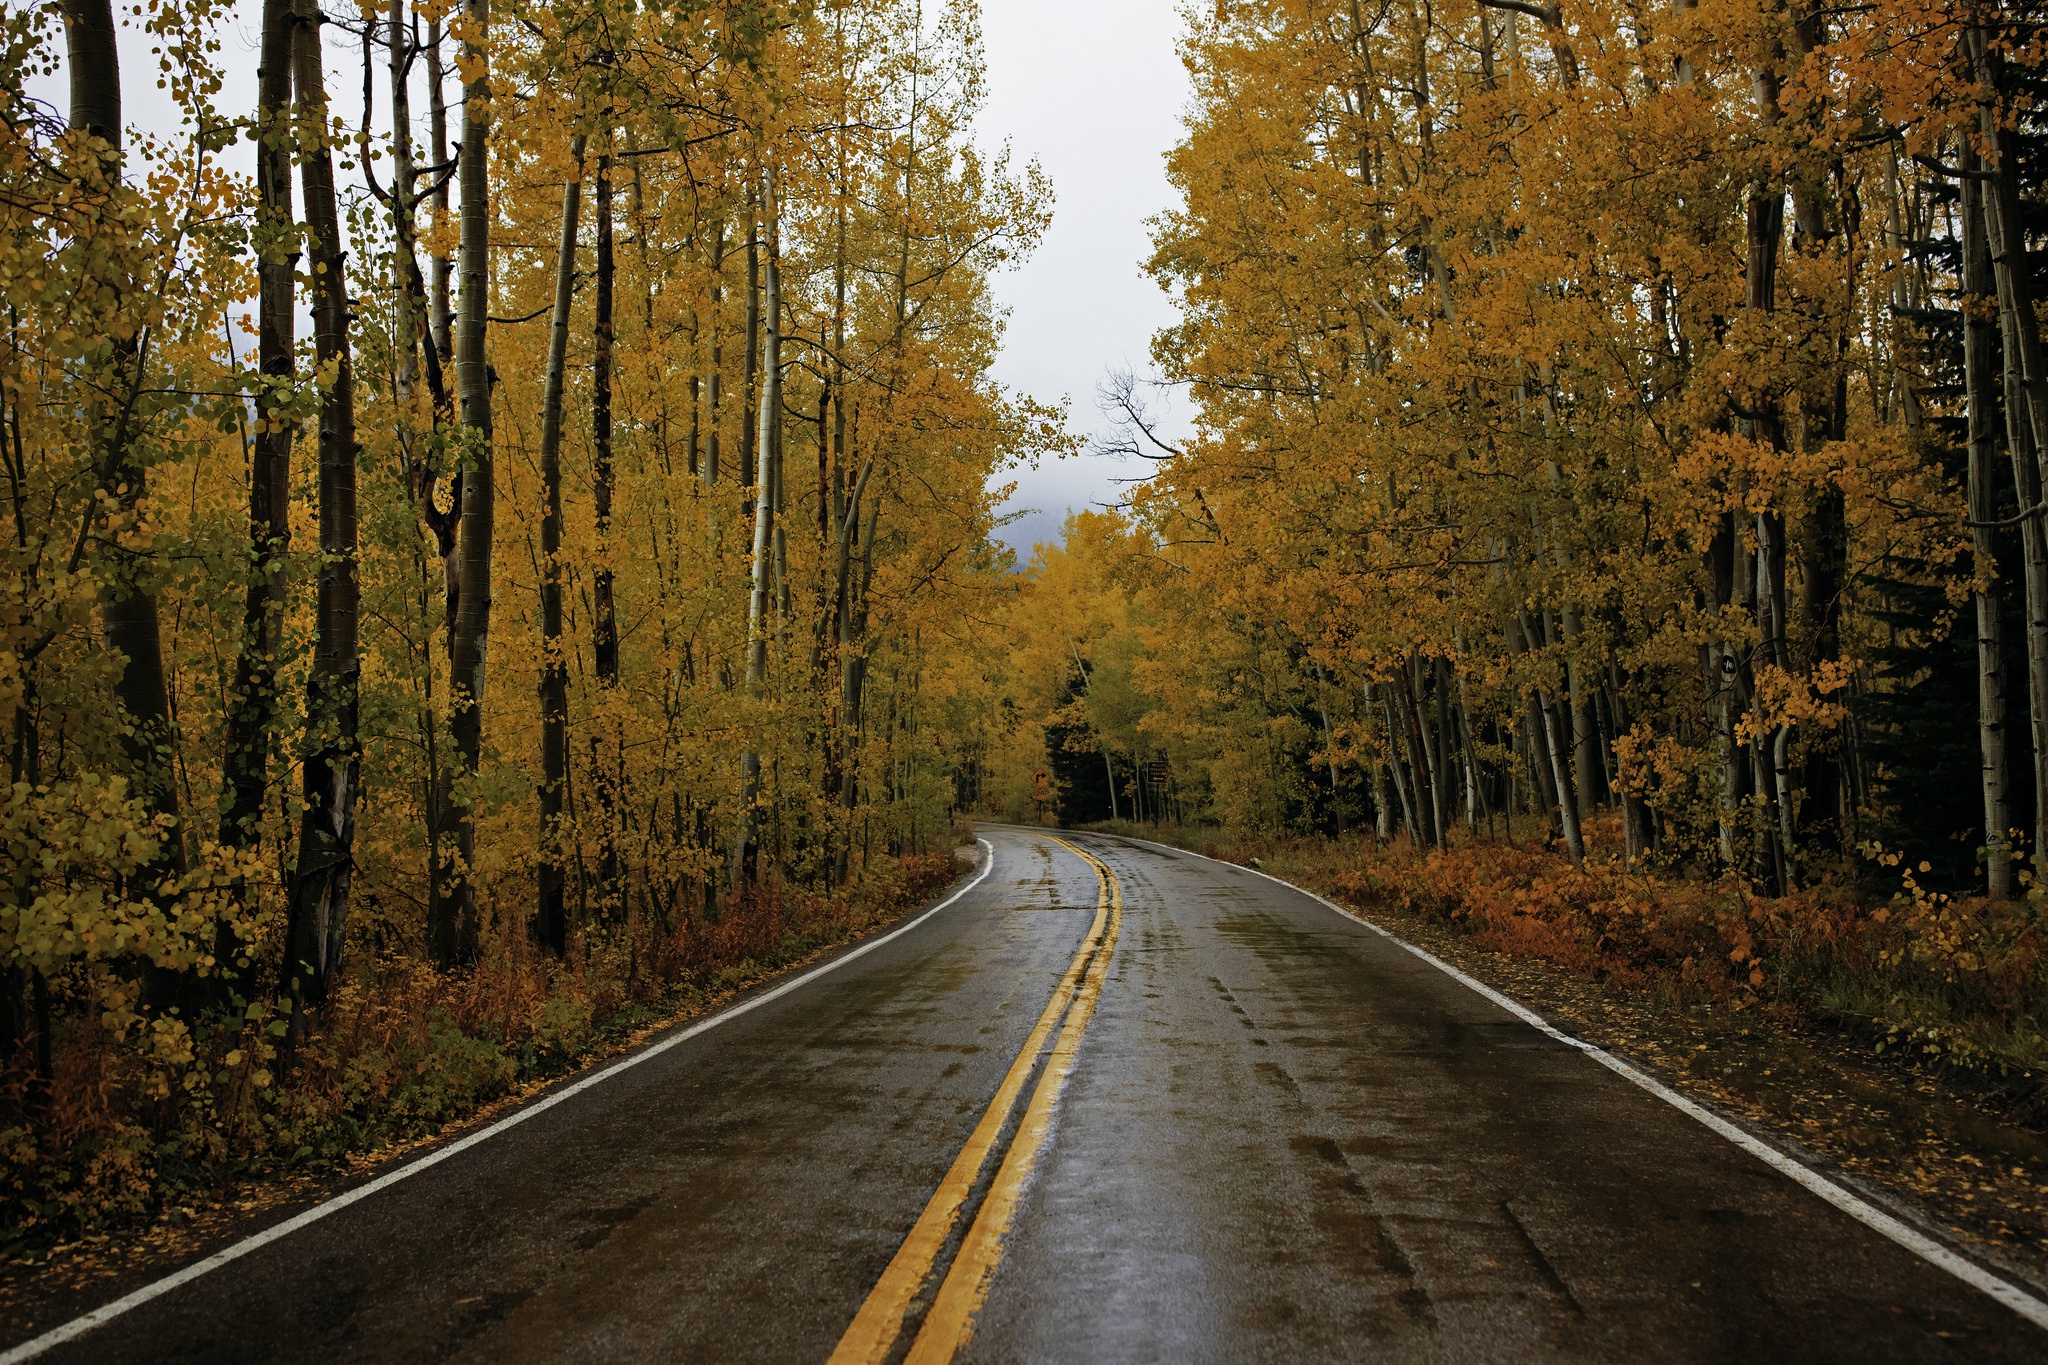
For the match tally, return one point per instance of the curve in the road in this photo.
(961, 1294)
(2028, 1306)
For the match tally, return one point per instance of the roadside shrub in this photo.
(1958, 982)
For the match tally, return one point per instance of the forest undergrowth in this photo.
(402, 1052)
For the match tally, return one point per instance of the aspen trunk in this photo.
(1443, 754)
(128, 611)
(410, 302)
(1979, 348)
(768, 413)
(2006, 237)
(1897, 235)
(1823, 537)
(417, 322)
(421, 334)
(2026, 477)
(1723, 682)
(1637, 825)
(1088, 684)
(253, 706)
(93, 65)
(422, 323)
(750, 364)
(1760, 579)
(1475, 780)
(780, 549)
(715, 386)
(832, 512)
(1567, 806)
(1554, 737)
(1475, 799)
(1588, 774)
(1543, 793)
(2026, 409)
(1748, 760)
(853, 672)
(1823, 563)
(1418, 763)
(437, 128)
(608, 769)
(824, 474)
(317, 918)
(1543, 796)
(1382, 804)
(456, 928)
(1429, 785)
(1776, 747)
(552, 919)
(1395, 735)
(837, 629)
(1329, 752)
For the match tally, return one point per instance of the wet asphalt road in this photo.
(1283, 1138)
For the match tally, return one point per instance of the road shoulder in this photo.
(1930, 1152)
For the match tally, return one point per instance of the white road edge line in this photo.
(2033, 1309)
(100, 1317)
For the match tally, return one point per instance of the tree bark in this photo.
(552, 920)
(2026, 403)
(128, 608)
(1638, 828)
(1567, 806)
(1403, 769)
(317, 917)
(768, 415)
(1088, 685)
(1764, 223)
(2027, 484)
(1543, 793)
(853, 664)
(608, 769)
(605, 642)
(1421, 766)
(715, 387)
(437, 126)
(1555, 739)
(1980, 341)
(253, 706)
(94, 67)
(1588, 775)
(751, 365)
(456, 927)
(1428, 767)
(1329, 754)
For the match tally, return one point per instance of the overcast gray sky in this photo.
(1094, 91)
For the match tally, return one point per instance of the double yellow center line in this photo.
(950, 1320)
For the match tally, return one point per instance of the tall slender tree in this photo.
(456, 927)
(253, 706)
(330, 768)
(552, 920)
